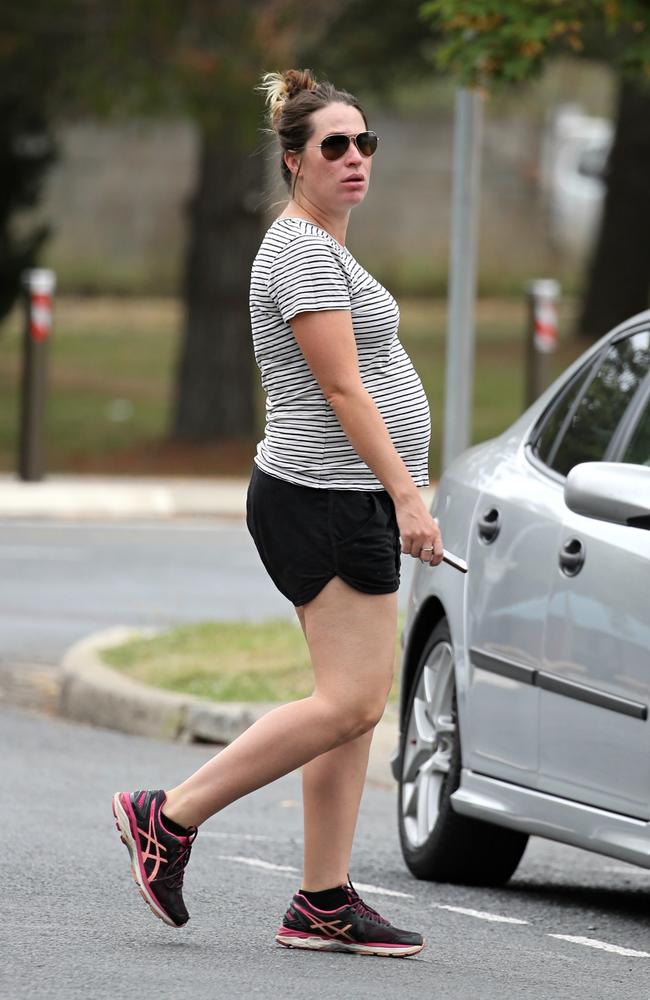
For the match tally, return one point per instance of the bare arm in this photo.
(326, 340)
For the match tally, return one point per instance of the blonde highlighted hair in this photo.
(279, 87)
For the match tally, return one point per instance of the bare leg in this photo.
(333, 785)
(349, 634)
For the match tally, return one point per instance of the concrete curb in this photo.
(114, 497)
(68, 497)
(92, 692)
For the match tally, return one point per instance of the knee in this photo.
(359, 719)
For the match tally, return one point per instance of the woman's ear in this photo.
(292, 161)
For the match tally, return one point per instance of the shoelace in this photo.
(362, 908)
(174, 877)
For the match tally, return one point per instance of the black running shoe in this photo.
(354, 927)
(158, 857)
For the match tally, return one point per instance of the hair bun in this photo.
(281, 87)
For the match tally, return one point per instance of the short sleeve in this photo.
(307, 276)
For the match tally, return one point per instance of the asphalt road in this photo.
(74, 925)
(60, 582)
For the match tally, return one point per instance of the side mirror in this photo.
(610, 491)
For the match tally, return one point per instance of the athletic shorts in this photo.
(306, 536)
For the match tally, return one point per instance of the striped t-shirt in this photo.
(301, 268)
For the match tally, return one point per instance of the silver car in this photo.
(526, 682)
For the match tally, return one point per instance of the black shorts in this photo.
(306, 536)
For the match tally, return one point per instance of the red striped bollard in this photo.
(542, 336)
(39, 285)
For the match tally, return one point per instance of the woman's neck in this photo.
(336, 227)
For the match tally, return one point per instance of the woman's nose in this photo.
(353, 154)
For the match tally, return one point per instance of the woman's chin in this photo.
(354, 196)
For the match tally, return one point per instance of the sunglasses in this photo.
(333, 147)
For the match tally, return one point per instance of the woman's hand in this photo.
(419, 531)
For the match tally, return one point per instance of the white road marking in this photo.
(603, 945)
(221, 834)
(480, 914)
(268, 866)
(380, 891)
(257, 863)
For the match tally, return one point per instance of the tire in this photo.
(438, 844)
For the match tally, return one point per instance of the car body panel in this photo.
(506, 597)
(553, 743)
(599, 640)
(430, 583)
(535, 812)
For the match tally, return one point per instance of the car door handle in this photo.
(572, 557)
(489, 525)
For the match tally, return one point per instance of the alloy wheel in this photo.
(428, 745)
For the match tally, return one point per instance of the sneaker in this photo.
(354, 927)
(158, 857)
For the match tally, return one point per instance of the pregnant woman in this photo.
(332, 503)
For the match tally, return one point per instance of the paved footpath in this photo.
(74, 925)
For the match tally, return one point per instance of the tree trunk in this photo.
(618, 280)
(215, 379)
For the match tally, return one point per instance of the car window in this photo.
(638, 449)
(605, 400)
(555, 417)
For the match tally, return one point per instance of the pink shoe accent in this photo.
(331, 929)
(141, 800)
(136, 832)
(152, 842)
(287, 932)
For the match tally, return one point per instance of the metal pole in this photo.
(459, 377)
(39, 287)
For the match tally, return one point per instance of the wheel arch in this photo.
(428, 616)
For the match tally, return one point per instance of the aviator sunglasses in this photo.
(333, 147)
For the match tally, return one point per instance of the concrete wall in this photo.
(117, 202)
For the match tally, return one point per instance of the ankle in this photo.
(171, 826)
(174, 809)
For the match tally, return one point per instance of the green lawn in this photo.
(226, 661)
(112, 366)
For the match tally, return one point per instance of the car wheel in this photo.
(439, 845)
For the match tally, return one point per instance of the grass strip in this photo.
(225, 661)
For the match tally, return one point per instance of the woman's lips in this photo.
(354, 179)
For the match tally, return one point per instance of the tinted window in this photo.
(557, 415)
(604, 402)
(638, 450)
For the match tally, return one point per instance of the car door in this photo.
(511, 554)
(513, 538)
(595, 678)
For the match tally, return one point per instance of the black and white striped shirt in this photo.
(301, 268)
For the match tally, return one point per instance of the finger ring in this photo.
(427, 548)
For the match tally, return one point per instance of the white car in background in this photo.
(526, 682)
(575, 149)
